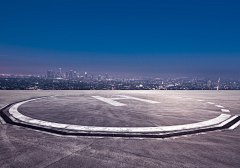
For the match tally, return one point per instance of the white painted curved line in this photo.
(234, 125)
(225, 110)
(227, 121)
(14, 112)
(211, 122)
(2, 121)
(210, 103)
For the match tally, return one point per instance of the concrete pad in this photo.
(25, 147)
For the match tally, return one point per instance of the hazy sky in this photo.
(157, 38)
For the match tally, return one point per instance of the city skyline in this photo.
(59, 72)
(91, 82)
(73, 80)
(136, 38)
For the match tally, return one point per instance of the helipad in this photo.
(129, 114)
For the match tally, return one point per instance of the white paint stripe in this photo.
(118, 98)
(109, 101)
(13, 119)
(189, 98)
(210, 103)
(5, 141)
(200, 100)
(219, 106)
(225, 110)
(234, 125)
(227, 121)
(14, 112)
(135, 98)
(214, 121)
(2, 120)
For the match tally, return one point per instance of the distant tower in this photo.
(75, 74)
(52, 74)
(49, 73)
(59, 72)
(99, 77)
(106, 76)
(218, 83)
(67, 75)
(71, 74)
(85, 74)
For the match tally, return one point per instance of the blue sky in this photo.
(156, 38)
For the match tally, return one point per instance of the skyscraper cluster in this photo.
(71, 75)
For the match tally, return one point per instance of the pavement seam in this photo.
(124, 152)
(68, 155)
(136, 154)
(6, 140)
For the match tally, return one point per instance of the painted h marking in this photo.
(115, 103)
(109, 101)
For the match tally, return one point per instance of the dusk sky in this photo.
(197, 38)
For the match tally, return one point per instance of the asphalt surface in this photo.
(26, 147)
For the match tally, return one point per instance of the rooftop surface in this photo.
(134, 114)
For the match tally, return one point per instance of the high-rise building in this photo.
(67, 75)
(218, 83)
(60, 72)
(71, 74)
(63, 75)
(53, 74)
(106, 76)
(99, 77)
(85, 74)
(75, 74)
(48, 73)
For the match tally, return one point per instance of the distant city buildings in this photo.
(59, 72)
(72, 80)
(71, 74)
(50, 74)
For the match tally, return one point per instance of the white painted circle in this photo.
(209, 123)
